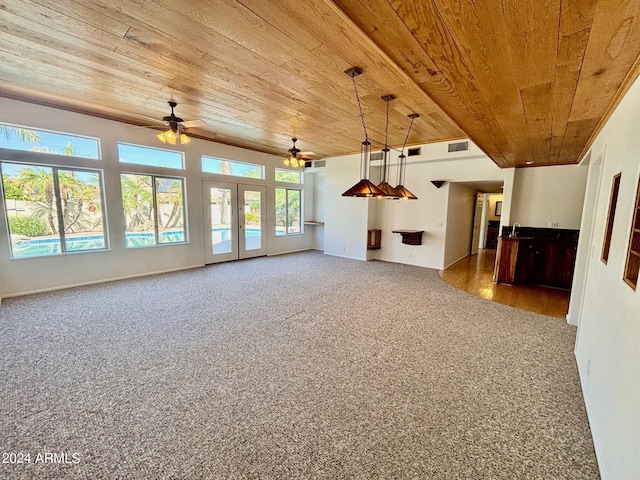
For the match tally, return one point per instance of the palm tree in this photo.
(172, 196)
(23, 134)
(137, 200)
(74, 193)
(38, 184)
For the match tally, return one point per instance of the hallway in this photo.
(474, 274)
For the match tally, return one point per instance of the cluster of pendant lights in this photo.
(365, 188)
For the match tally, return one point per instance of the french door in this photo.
(235, 221)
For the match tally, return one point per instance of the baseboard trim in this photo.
(594, 438)
(288, 251)
(345, 256)
(456, 261)
(94, 282)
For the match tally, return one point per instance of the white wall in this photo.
(587, 225)
(347, 219)
(42, 273)
(549, 194)
(607, 348)
(316, 178)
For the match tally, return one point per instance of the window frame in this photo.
(154, 200)
(611, 213)
(59, 219)
(182, 168)
(58, 133)
(288, 170)
(632, 263)
(238, 162)
(300, 211)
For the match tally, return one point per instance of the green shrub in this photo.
(251, 218)
(29, 226)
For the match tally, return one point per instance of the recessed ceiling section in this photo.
(527, 81)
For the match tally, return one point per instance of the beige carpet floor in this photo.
(296, 366)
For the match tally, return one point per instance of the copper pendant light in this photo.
(389, 191)
(402, 166)
(364, 188)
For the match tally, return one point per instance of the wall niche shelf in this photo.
(374, 239)
(410, 237)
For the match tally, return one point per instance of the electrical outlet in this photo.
(553, 224)
(588, 367)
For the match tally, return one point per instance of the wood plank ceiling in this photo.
(529, 81)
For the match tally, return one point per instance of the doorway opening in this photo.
(235, 221)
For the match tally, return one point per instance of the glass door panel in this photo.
(221, 224)
(234, 221)
(252, 221)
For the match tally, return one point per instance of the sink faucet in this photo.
(513, 229)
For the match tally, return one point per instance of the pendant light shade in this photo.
(404, 193)
(364, 188)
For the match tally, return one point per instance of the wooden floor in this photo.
(474, 274)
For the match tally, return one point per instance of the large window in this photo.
(288, 211)
(231, 167)
(153, 209)
(289, 176)
(52, 210)
(17, 137)
(154, 157)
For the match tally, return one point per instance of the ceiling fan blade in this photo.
(194, 124)
(309, 156)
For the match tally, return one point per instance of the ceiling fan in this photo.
(177, 127)
(296, 158)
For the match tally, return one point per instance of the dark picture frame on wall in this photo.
(498, 209)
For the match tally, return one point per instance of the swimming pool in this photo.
(51, 246)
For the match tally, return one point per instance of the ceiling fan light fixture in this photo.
(176, 132)
(293, 156)
(170, 137)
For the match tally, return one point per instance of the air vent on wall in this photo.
(376, 156)
(314, 163)
(458, 147)
(412, 152)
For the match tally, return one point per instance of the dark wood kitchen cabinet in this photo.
(536, 261)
